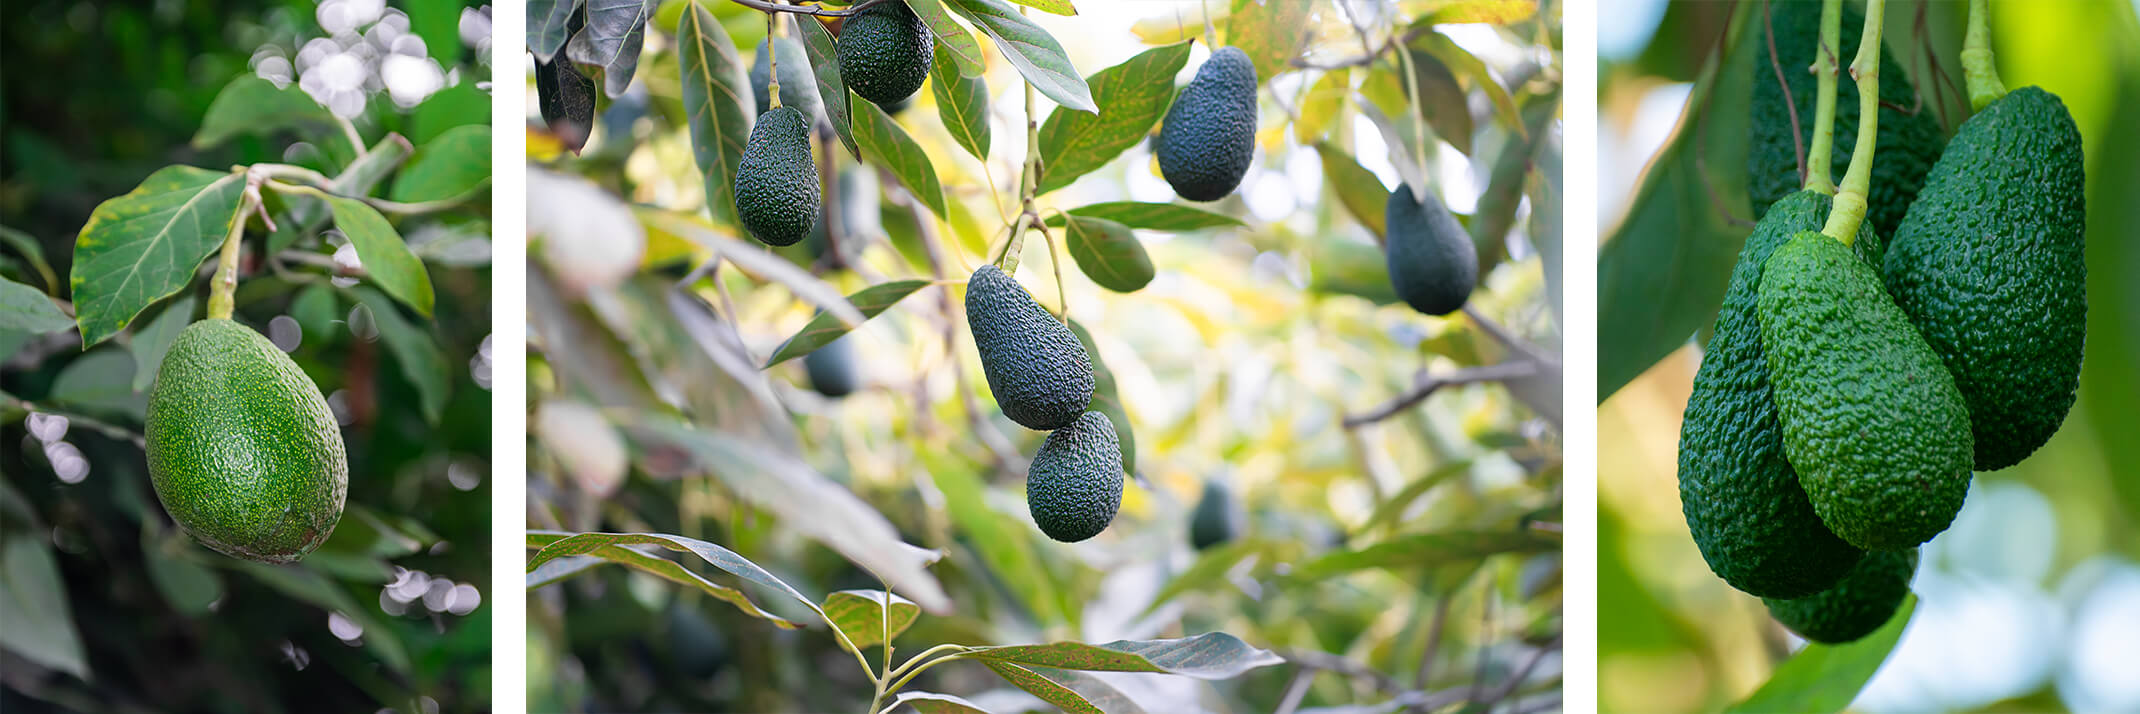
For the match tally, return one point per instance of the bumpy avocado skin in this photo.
(1075, 484)
(798, 87)
(1038, 371)
(1209, 135)
(1871, 420)
(832, 368)
(884, 52)
(1864, 600)
(1742, 500)
(776, 179)
(1910, 139)
(242, 449)
(1989, 265)
(1432, 262)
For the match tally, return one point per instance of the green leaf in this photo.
(1496, 211)
(142, 247)
(1662, 271)
(825, 64)
(547, 20)
(1107, 399)
(1469, 68)
(1171, 217)
(101, 382)
(1132, 96)
(1357, 189)
(251, 105)
(612, 547)
(305, 584)
(717, 97)
(386, 258)
(1426, 549)
(566, 99)
(1212, 655)
(885, 144)
(1321, 104)
(1032, 50)
(316, 310)
(31, 251)
(824, 328)
(1440, 99)
(1108, 253)
(1270, 33)
(1048, 690)
(860, 614)
(34, 621)
(414, 350)
(152, 341)
(306, 213)
(1053, 7)
(1003, 541)
(27, 309)
(1456, 12)
(934, 703)
(1345, 267)
(454, 165)
(951, 38)
(1391, 511)
(188, 586)
(611, 39)
(962, 102)
(1824, 678)
(1210, 567)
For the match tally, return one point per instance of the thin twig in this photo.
(1516, 679)
(1425, 384)
(76, 419)
(811, 10)
(1295, 690)
(1315, 659)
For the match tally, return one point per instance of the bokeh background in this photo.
(2029, 602)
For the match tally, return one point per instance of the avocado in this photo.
(884, 52)
(1432, 262)
(1989, 265)
(1742, 500)
(832, 368)
(1038, 371)
(1209, 135)
(1909, 138)
(1213, 521)
(1871, 420)
(1075, 484)
(776, 180)
(242, 450)
(798, 86)
(1865, 599)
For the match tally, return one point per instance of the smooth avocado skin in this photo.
(1209, 134)
(798, 86)
(884, 52)
(1990, 266)
(1909, 141)
(832, 368)
(1871, 419)
(1741, 498)
(1865, 599)
(1213, 521)
(1039, 372)
(1432, 262)
(242, 449)
(1075, 484)
(776, 179)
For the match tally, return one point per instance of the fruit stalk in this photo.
(1978, 71)
(1850, 202)
(772, 59)
(223, 289)
(1818, 173)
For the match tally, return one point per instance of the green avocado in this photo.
(1909, 137)
(242, 450)
(1989, 265)
(1040, 374)
(1871, 420)
(798, 86)
(1865, 599)
(776, 179)
(1213, 521)
(884, 52)
(1432, 262)
(1741, 497)
(1209, 134)
(1075, 484)
(832, 368)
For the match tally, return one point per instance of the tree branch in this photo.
(811, 10)
(1426, 384)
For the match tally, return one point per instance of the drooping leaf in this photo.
(752, 258)
(1048, 690)
(1455, 12)
(1171, 217)
(934, 703)
(1825, 678)
(1270, 33)
(414, 350)
(546, 26)
(1473, 74)
(100, 382)
(1391, 511)
(1321, 104)
(617, 548)
(1132, 96)
(1107, 398)
(887, 145)
(823, 328)
(861, 614)
(153, 340)
(1212, 655)
(1108, 253)
(1053, 7)
(34, 618)
(454, 165)
(142, 247)
(386, 258)
(1003, 542)
(1496, 211)
(27, 309)
(1357, 189)
(1032, 50)
(28, 246)
(962, 102)
(1210, 567)
(1347, 267)
(1426, 550)
(951, 38)
(566, 99)
(615, 31)
(717, 98)
(825, 64)
(1440, 99)
(251, 105)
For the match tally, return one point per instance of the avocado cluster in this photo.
(1432, 262)
(777, 196)
(884, 53)
(1209, 134)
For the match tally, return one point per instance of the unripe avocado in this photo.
(1432, 261)
(798, 87)
(1209, 135)
(1213, 521)
(1742, 500)
(1075, 484)
(884, 52)
(242, 450)
(1871, 420)
(1909, 137)
(1989, 266)
(776, 179)
(832, 368)
(1855, 607)
(1038, 371)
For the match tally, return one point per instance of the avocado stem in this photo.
(223, 288)
(1850, 202)
(1821, 154)
(772, 60)
(1979, 72)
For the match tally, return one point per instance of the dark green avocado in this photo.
(832, 368)
(1865, 599)
(1038, 371)
(1075, 484)
(1209, 134)
(776, 180)
(1213, 522)
(1432, 262)
(884, 52)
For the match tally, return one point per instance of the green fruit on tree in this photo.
(1864, 600)
(1213, 522)
(776, 179)
(798, 87)
(1040, 374)
(1075, 484)
(1871, 420)
(1989, 265)
(1209, 134)
(832, 368)
(242, 450)
(1741, 498)
(1432, 261)
(884, 52)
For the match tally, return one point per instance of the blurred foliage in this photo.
(1433, 530)
(1677, 638)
